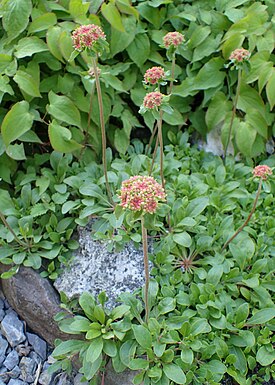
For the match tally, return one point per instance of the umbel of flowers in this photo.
(142, 194)
(154, 75)
(92, 39)
(262, 172)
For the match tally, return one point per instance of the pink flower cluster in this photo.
(152, 100)
(86, 36)
(154, 75)
(173, 39)
(262, 171)
(240, 55)
(141, 193)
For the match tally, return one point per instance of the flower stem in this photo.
(6, 224)
(248, 218)
(103, 133)
(151, 139)
(233, 113)
(172, 73)
(160, 139)
(146, 268)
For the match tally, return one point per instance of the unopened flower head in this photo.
(141, 193)
(91, 72)
(154, 75)
(86, 36)
(240, 55)
(262, 171)
(152, 100)
(173, 39)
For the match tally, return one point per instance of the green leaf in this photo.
(174, 373)
(28, 46)
(99, 314)
(27, 83)
(112, 15)
(270, 90)
(265, 356)
(196, 206)
(182, 239)
(43, 22)
(16, 16)
(16, 122)
(217, 109)
(94, 349)
(139, 49)
(63, 109)
(71, 346)
(198, 36)
(121, 40)
(80, 324)
(187, 356)
(138, 364)
(87, 303)
(6, 203)
(78, 10)
(119, 311)
(242, 313)
(109, 348)
(61, 138)
(262, 316)
(199, 326)
(214, 274)
(52, 38)
(245, 137)
(16, 151)
(143, 336)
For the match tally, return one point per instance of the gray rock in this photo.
(2, 303)
(77, 380)
(39, 345)
(2, 314)
(13, 381)
(12, 360)
(1, 382)
(124, 378)
(28, 368)
(45, 377)
(4, 375)
(3, 347)
(13, 329)
(15, 372)
(63, 379)
(36, 301)
(95, 269)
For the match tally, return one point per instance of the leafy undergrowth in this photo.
(211, 310)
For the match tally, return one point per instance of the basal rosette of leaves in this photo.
(50, 97)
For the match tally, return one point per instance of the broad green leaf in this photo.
(6, 203)
(112, 15)
(214, 274)
(109, 348)
(196, 206)
(139, 49)
(28, 46)
(125, 6)
(78, 10)
(242, 313)
(43, 22)
(63, 109)
(90, 369)
(52, 38)
(249, 99)
(245, 137)
(231, 43)
(198, 36)
(61, 138)
(199, 326)
(121, 40)
(242, 339)
(174, 373)
(265, 355)
(27, 83)
(80, 324)
(16, 15)
(65, 45)
(166, 305)
(187, 356)
(270, 90)
(16, 122)
(94, 350)
(262, 316)
(143, 336)
(138, 364)
(5, 61)
(182, 239)
(87, 303)
(71, 346)
(258, 122)
(119, 311)
(217, 109)
(127, 351)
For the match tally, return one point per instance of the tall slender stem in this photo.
(6, 224)
(233, 113)
(146, 267)
(160, 139)
(151, 138)
(248, 218)
(172, 73)
(103, 133)
(154, 155)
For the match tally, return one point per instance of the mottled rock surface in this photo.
(95, 269)
(36, 301)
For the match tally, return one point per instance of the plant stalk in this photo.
(160, 139)
(248, 218)
(146, 267)
(103, 133)
(172, 73)
(6, 224)
(233, 113)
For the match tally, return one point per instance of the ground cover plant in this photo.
(68, 94)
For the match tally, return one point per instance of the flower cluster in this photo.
(154, 75)
(240, 55)
(141, 193)
(262, 171)
(86, 36)
(152, 100)
(173, 39)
